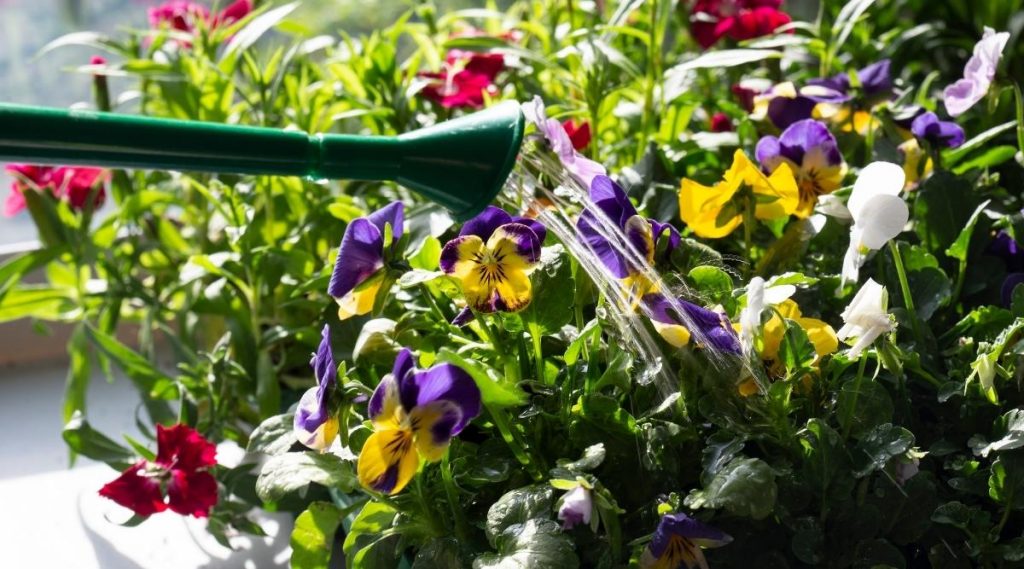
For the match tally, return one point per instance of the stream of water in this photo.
(540, 184)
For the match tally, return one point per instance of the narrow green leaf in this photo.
(313, 536)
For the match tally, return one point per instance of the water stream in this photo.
(540, 184)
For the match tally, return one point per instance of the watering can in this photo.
(461, 164)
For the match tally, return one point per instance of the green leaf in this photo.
(268, 390)
(493, 390)
(534, 543)
(952, 156)
(516, 507)
(1006, 481)
(293, 471)
(90, 443)
(153, 382)
(313, 536)
(79, 373)
(553, 291)
(943, 206)
(377, 343)
(1012, 424)
(863, 407)
(723, 58)
(439, 553)
(255, 29)
(826, 462)
(428, 257)
(745, 487)
(274, 436)
(959, 249)
(846, 20)
(37, 301)
(796, 351)
(990, 158)
(710, 280)
(592, 457)
(880, 445)
(12, 271)
(365, 545)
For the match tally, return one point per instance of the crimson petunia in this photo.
(181, 469)
(711, 20)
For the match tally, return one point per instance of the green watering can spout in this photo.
(461, 164)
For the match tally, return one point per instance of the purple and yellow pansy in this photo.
(491, 259)
(679, 322)
(645, 236)
(360, 271)
(811, 152)
(678, 543)
(415, 414)
(314, 425)
(874, 86)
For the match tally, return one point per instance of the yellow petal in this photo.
(388, 461)
(424, 419)
(748, 387)
(699, 207)
(781, 185)
(821, 335)
(359, 301)
(677, 336)
(771, 337)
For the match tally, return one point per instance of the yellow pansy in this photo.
(821, 335)
(712, 212)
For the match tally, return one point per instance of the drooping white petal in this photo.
(778, 293)
(881, 218)
(877, 178)
(750, 316)
(866, 317)
(832, 206)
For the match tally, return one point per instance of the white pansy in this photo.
(878, 213)
(866, 317)
(577, 507)
(759, 296)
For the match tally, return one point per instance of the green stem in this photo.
(1019, 104)
(461, 527)
(856, 393)
(538, 352)
(908, 301)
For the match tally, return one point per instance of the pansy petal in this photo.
(676, 335)
(784, 111)
(192, 493)
(538, 228)
(458, 254)
(768, 152)
(510, 294)
(593, 230)
(361, 254)
(665, 231)
(781, 187)
(701, 207)
(393, 214)
(881, 219)
(443, 382)
(384, 403)
(684, 526)
(360, 300)
(610, 198)
(388, 461)
(876, 78)
(135, 491)
(434, 425)
(877, 178)
(484, 224)
(518, 240)
(822, 336)
(639, 234)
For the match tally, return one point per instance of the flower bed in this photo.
(752, 293)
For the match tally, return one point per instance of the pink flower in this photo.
(466, 77)
(181, 466)
(711, 20)
(183, 16)
(978, 74)
(69, 183)
(720, 122)
(579, 134)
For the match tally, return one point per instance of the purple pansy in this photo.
(581, 167)
(927, 126)
(415, 414)
(604, 239)
(1006, 248)
(677, 543)
(358, 271)
(314, 426)
(979, 73)
(491, 259)
(577, 507)
(812, 154)
(679, 321)
(875, 81)
(784, 104)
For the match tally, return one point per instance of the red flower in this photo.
(579, 134)
(464, 80)
(183, 456)
(69, 183)
(710, 20)
(183, 16)
(720, 122)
